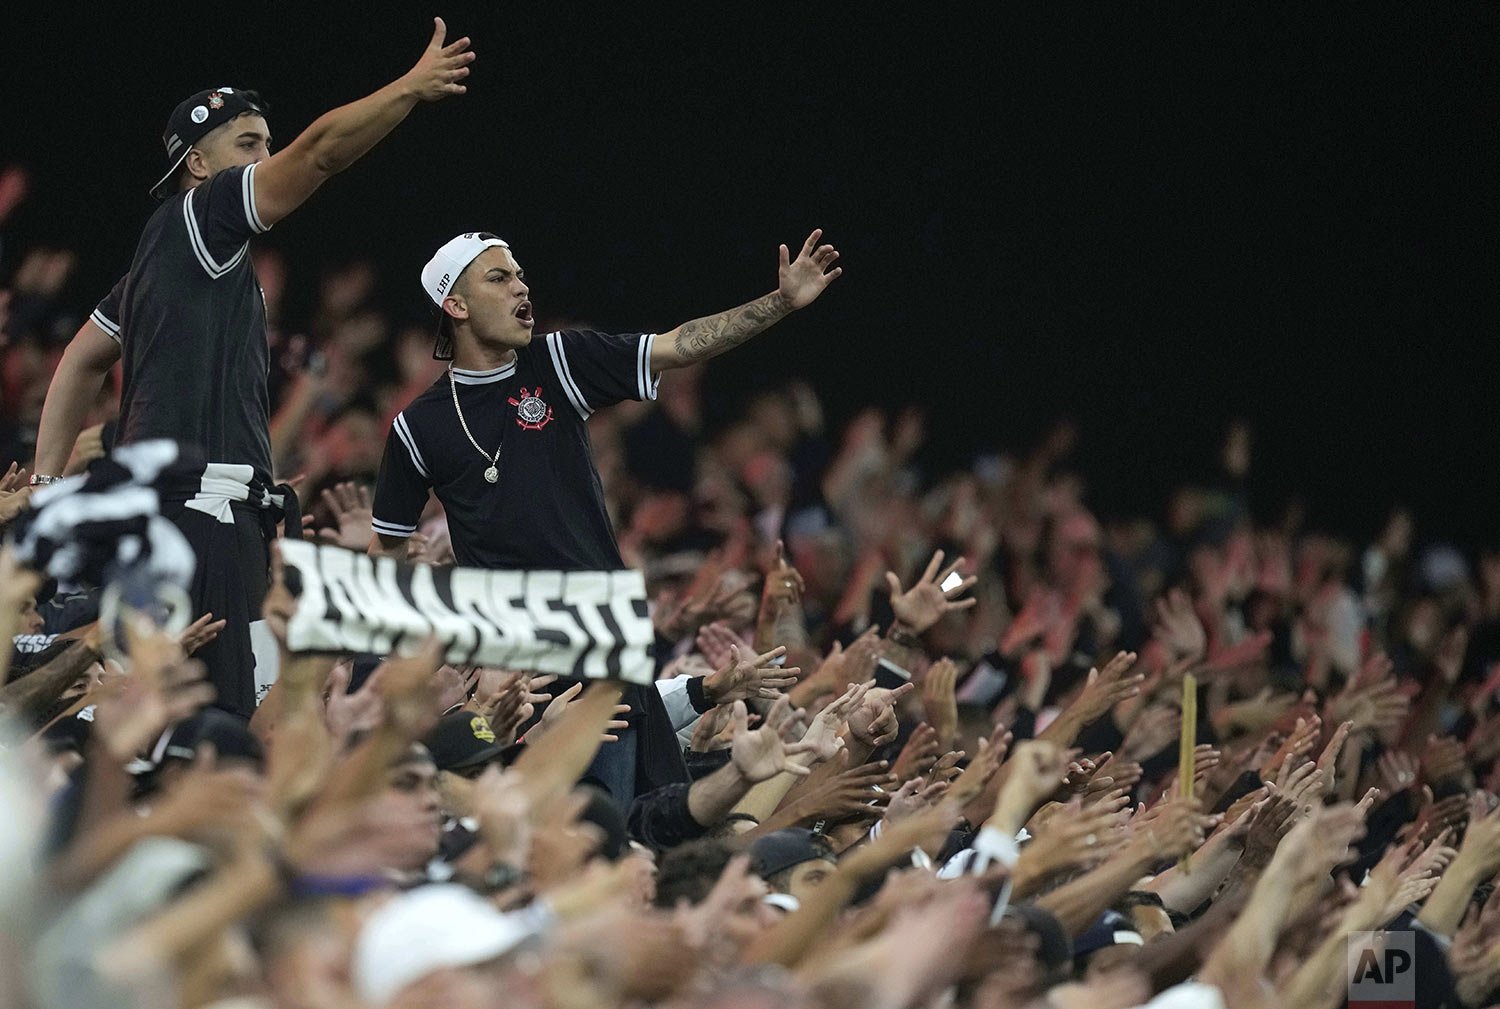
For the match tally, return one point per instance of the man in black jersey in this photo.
(188, 320)
(502, 439)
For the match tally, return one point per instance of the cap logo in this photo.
(443, 284)
(216, 100)
(226, 91)
(200, 113)
(481, 728)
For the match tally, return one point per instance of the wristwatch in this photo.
(898, 635)
(42, 479)
(501, 875)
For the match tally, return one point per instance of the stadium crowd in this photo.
(904, 789)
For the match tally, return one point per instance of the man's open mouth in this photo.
(523, 313)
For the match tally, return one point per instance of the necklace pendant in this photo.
(492, 474)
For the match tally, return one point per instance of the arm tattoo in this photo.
(712, 335)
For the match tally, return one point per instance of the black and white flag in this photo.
(587, 624)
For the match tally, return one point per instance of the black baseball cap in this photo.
(783, 849)
(194, 118)
(230, 735)
(1110, 929)
(462, 739)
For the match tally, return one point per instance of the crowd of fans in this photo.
(904, 793)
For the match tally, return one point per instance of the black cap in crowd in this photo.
(193, 119)
(462, 739)
(780, 851)
(1110, 929)
(230, 735)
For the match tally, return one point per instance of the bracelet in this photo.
(904, 638)
(337, 886)
(42, 480)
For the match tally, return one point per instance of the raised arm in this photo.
(75, 386)
(337, 139)
(802, 280)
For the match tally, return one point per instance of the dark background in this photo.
(1151, 218)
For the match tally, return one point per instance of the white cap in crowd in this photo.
(426, 930)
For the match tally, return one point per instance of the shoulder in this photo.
(434, 397)
(567, 345)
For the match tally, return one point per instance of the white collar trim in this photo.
(466, 376)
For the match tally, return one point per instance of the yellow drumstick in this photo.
(1187, 746)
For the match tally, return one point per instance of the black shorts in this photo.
(230, 582)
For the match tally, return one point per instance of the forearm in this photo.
(1012, 809)
(71, 396)
(788, 814)
(1346, 778)
(341, 136)
(1445, 908)
(712, 335)
(762, 800)
(854, 605)
(1317, 983)
(1172, 959)
(233, 892)
(1183, 891)
(95, 849)
(286, 426)
(789, 941)
(32, 695)
(710, 799)
(1248, 944)
(106, 787)
(1078, 903)
(361, 773)
(1425, 717)
(780, 622)
(1063, 730)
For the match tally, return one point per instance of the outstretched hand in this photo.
(805, 278)
(762, 754)
(441, 68)
(350, 507)
(747, 676)
(927, 602)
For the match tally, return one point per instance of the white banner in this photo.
(587, 624)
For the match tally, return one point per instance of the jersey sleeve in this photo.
(598, 370)
(220, 217)
(401, 488)
(107, 315)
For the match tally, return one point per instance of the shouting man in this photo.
(502, 439)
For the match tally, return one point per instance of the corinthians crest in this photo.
(532, 412)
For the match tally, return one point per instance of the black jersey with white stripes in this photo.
(191, 322)
(545, 510)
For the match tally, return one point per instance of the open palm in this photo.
(807, 276)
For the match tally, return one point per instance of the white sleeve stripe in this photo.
(103, 322)
(392, 528)
(247, 182)
(644, 379)
(200, 248)
(404, 433)
(641, 350)
(560, 363)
